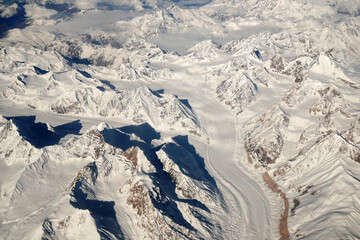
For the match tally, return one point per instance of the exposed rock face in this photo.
(298, 68)
(266, 135)
(331, 101)
(237, 92)
(277, 63)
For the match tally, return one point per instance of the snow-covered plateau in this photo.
(186, 119)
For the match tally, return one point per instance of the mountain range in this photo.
(189, 119)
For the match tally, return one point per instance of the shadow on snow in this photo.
(102, 212)
(41, 134)
(181, 152)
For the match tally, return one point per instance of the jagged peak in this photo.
(331, 101)
(205, 45)
(324, 65)
(102, 126)
(145, 91)
(276, 116)
(238, 92)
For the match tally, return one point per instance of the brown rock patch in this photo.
(283, 229)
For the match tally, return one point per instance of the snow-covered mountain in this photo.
(127, 185)
(188, 119)
(77, 92)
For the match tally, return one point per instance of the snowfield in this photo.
(180, 120)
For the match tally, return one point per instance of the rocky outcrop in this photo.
(266, 135)
(298, 68)
(237, 92)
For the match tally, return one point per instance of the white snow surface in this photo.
(150, 120)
